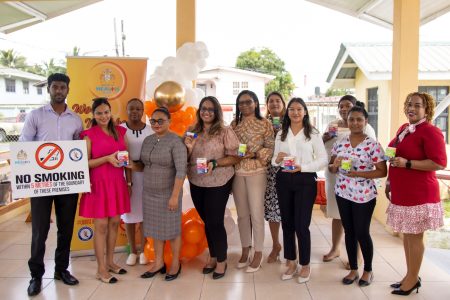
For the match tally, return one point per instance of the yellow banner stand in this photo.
(119, 79)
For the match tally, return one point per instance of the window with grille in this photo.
(39, 91)
(10, 85)
(438, 93)
(26, 87)
(372, 108)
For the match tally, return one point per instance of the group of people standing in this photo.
(273, 178)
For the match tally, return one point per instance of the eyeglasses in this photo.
(245, 102)
(159, 121)
(210, 110)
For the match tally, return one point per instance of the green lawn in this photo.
(446, 205)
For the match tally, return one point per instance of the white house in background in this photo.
(225, 83)
(18, 91)
(367, 68)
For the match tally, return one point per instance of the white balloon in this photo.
(199, 45)
(201, 64)
(184, 50)
(178, 78)
(191, 97)
(151, 86)
(160, 71)
(229, 224)
(188, 71)
(168, 62)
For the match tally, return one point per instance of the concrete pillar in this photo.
(185, 22)
(405, 58)
(405, 71)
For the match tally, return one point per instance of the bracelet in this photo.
(214, 163)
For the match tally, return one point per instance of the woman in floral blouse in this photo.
(357, 159)
(249, 185)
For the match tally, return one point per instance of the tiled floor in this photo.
(15, 236)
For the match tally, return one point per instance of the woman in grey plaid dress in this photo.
(165, 158)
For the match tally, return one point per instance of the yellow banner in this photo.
(119, 80)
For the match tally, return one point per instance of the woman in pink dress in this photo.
(109, 197)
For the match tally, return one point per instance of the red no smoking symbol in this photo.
(49, 156)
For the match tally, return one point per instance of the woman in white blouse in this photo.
(296, 185)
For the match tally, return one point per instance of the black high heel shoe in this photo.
(207, 270)
(149, 274)
(401, 292)
(170, 277)
(220, 275)
(399, 284)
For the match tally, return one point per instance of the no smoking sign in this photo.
(49, 156)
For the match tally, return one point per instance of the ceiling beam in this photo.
(27, 9)
(436, 15)
(6, 28)
(368, 6)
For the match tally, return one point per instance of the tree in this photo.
(76, 51)
(337, 92)
(267, 62)
(11, 59)
(51, 67)
(36, 69)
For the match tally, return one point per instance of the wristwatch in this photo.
(408, 164)
(129, 183)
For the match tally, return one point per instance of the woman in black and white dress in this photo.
(137, 131)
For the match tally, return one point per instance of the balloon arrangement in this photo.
(193, 239)
(171, 95)
(171, 85)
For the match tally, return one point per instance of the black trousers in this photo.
(41, 208)
(296, 195)
(356, 219)
(210, 203)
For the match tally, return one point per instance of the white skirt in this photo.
(332, 208)
(135, 214)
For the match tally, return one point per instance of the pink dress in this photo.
(109, 191)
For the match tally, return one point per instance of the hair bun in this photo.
(360, 104)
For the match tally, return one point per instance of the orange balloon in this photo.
(189, 250)
(193, 231)
(149, 252)
(149, 107)
(204, 243)
(168, 258)
(167, 247)
(192, 213)
(177, 116)
(178, 128)
(188, 119)
(150, 242)
(184, 219)
(191, 110)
